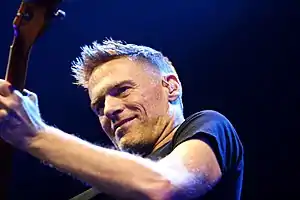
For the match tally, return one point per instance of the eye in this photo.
(122, 90)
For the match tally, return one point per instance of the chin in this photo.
(135, 146)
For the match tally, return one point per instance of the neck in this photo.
(168, 132)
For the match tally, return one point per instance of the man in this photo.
(137, 96)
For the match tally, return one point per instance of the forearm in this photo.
(108, 170)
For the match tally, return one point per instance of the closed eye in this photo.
(120, 90)
(123, 89)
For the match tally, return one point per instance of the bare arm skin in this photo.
(189, 171)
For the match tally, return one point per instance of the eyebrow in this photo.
(101, 92)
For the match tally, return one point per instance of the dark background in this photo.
(236, 57)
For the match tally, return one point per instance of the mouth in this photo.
(122, 122)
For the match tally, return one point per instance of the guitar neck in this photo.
(16, 70)
(16, 75)
(29, 23)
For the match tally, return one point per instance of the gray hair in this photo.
(97, 54)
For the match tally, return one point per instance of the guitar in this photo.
(29, 23)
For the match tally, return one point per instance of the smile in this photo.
(122, 122)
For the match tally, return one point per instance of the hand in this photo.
(20, 118)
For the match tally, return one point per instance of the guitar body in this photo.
(30, 21)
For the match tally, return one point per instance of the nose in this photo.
(113, 107)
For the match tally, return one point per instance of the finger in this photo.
(27, 92)
(32, 96)
(16, 96)
(5, 88)
(3, 108)
(3, 102)
(3, 114)
(7, 103)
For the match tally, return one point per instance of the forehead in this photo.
(116, 71)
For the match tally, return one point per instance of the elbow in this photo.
(162, 190)
(165, 190)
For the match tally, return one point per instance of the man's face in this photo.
(131, 102)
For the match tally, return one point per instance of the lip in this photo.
(120, 123)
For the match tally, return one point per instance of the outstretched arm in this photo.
(189, 171)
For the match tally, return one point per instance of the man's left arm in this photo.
(189, 171)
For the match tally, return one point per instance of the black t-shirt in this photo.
(216, 130)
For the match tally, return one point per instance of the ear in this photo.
(172, 84)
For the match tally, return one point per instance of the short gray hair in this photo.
(97, 54)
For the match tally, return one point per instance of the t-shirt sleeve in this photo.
(217, 131)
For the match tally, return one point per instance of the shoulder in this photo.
(208, 122)
(204, 148)
(216, 131)
(207, 116)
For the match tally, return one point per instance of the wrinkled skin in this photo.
(142, 97)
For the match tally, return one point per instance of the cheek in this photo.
(106, 126)
(155, 100)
